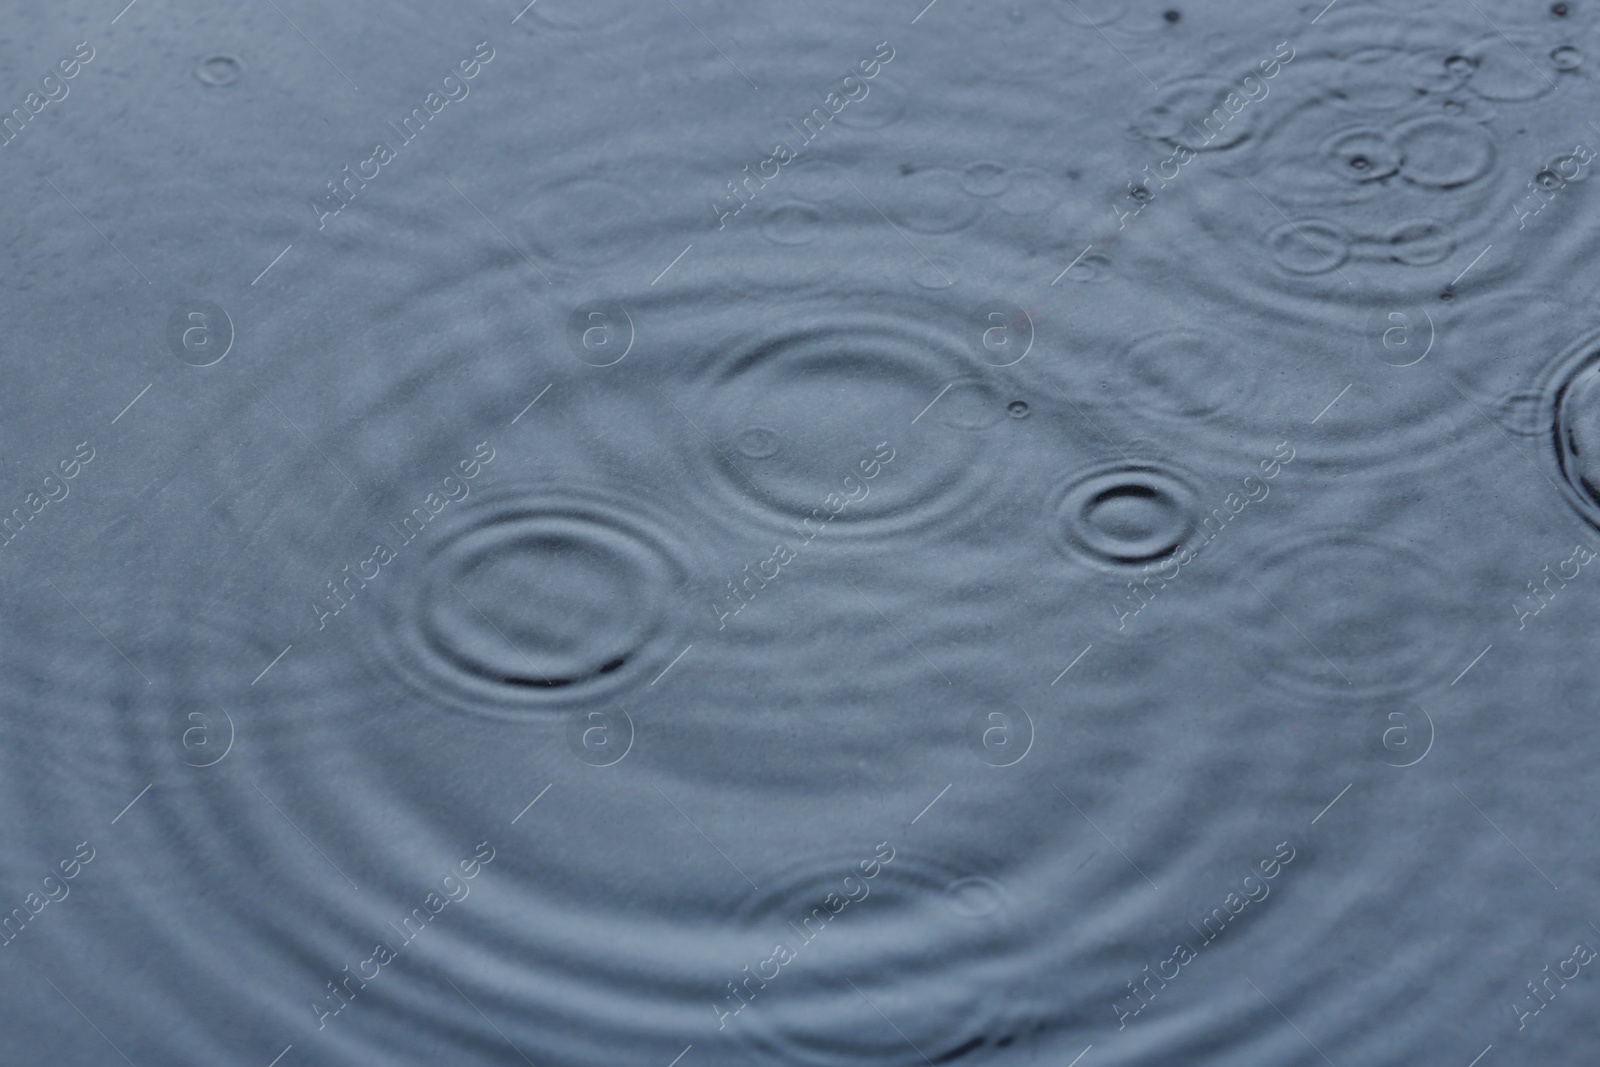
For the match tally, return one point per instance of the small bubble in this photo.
(1447, 295)
(1560, 11)
(1360, 163)
(1566, 57)
(1017, 409)
(1549, 179)
(1143, 195)
(1460, 66)
(1172, 15)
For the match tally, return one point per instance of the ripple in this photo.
(1362, 154)
(836, 394)
(1507, 69)
(933, 201)
(884, 103)
(1309, 246)
(429, 716)
(1521, 413)
(582, 221)
(1186, 374)
(1443, 152)
(1551, 175)
(1415, 242)
(1367, 616)
(1123, 514)
(1566, 57)
(1571, 410)
(1399, 179)
(901, 953)
(535, 600)
(1091, 268)
(1435, 154)
(985, 178)
(975, 897)
(1031, 192)
(938, 271)
(219, 70)
(759, 442)
(1370, 79)
(1183, 106)
(792, 222)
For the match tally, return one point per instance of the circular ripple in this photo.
(1031, 192)
(933, 201)
(760, 442)
(897, 944)
(1182, 108)
(1566, 57)
(985, 178)
(1415, 242)
(975, 897)
(1091, 268)
(938, 271)
(1350, 163)
(583, 221)
(1187, 374)
(1124, 515)
(884, 103)
(838, 399)
(1571, 412)
(1373, 79)
(793, 222)
(1309, 246)
(1370, 617)
(1521, 413)
(219, 70)
(1392, 196)
(1507, 71)
(1362, 154)
(534, 601)
(1442, 152)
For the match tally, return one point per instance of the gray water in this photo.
(816, 533)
